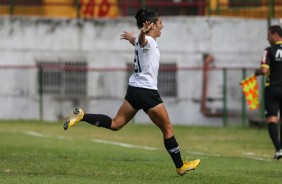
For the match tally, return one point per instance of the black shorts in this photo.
(142, 98)
(273, 100)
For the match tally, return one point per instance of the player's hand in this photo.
(127, 35)
(147, 26)
(257, 72)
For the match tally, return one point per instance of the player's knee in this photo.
(116, 126)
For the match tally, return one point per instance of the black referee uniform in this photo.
(273, 91)
(272, 61)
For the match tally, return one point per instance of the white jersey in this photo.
(146, 61)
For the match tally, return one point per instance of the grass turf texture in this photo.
(40, 152)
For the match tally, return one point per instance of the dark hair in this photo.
(275, 29)
(143, 15)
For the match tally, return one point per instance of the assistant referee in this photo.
(271, 67)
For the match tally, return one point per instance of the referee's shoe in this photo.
(278, 155)
(74, 118)
(188, 166)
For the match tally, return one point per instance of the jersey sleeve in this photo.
(265, 58)
(136, 41)
(149, 44)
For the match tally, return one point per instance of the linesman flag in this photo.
(251, 92)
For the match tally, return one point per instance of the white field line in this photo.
(38, 134)
(203, 154)
(254, 156)
(124, 144)
(34, 134)
(260, 159)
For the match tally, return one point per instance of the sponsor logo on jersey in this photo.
(278, 55)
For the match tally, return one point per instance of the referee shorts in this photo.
(273, 100)
(142, 98)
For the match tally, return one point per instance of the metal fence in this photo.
(219, 93)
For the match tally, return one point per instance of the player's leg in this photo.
(272, 108)
(278, 155)
(273, 133)
(159, 116)
(280, 121)
(125, 113)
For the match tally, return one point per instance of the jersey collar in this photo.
(278, 42)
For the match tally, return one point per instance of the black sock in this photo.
(273, 133)
(173, 149)
(280, 135)
(99, 120)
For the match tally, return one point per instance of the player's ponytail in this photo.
(143, 15)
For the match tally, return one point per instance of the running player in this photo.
(142, 91)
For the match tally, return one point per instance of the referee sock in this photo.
(273, 133)
(281, 135)
(173, 149)
(99, 120)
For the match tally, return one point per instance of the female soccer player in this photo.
(142, 91)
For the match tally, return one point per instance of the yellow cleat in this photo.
(74, 118)
(188, 166)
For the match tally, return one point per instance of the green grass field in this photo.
(40, 152)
